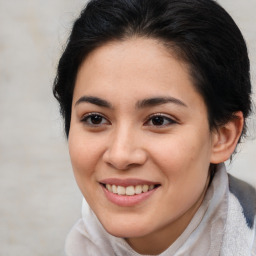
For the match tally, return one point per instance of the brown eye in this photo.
(159, 120)
(94, 120)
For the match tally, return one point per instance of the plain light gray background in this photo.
(39, 198)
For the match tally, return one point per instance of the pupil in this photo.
(96, 119)
(158, 120)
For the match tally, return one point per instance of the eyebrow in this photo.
(94, 100)
(150, 102)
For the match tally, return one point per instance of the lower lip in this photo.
(126, 201)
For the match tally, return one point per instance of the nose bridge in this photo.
(124, 149)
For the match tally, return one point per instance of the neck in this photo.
(160, 240)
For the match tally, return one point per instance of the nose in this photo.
(124, 150)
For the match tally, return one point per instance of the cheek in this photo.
(184, 160)
(175, 153)
(83, 155)
(185, 167)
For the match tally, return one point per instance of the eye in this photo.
(159, 120)
(94, 119)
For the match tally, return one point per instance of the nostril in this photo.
(120, 166)
(123, 152)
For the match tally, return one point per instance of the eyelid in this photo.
(88, 115)
(91, 113)
(172, 119)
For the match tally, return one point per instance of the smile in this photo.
(129, 190)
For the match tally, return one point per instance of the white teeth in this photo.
(130, 190)
(151, 187)
(138, 189)
(145, 188)
(114, 189)
(109, 187)
(120, 190)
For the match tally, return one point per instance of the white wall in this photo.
(38, 195)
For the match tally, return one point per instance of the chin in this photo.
(125, 229)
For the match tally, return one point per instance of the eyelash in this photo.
(87, 119)
(164, 118)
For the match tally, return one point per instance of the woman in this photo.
(155, 96)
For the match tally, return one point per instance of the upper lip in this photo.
(127, 182)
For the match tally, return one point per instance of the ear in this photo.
(226, 137)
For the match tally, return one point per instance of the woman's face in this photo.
(139, 125)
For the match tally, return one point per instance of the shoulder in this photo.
(240, 227)
(246, 195)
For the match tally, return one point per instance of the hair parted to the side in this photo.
(199, 32)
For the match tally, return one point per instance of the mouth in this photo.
(130, 190)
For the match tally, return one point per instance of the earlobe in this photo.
(226, 137)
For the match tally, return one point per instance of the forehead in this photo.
(133, 68)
